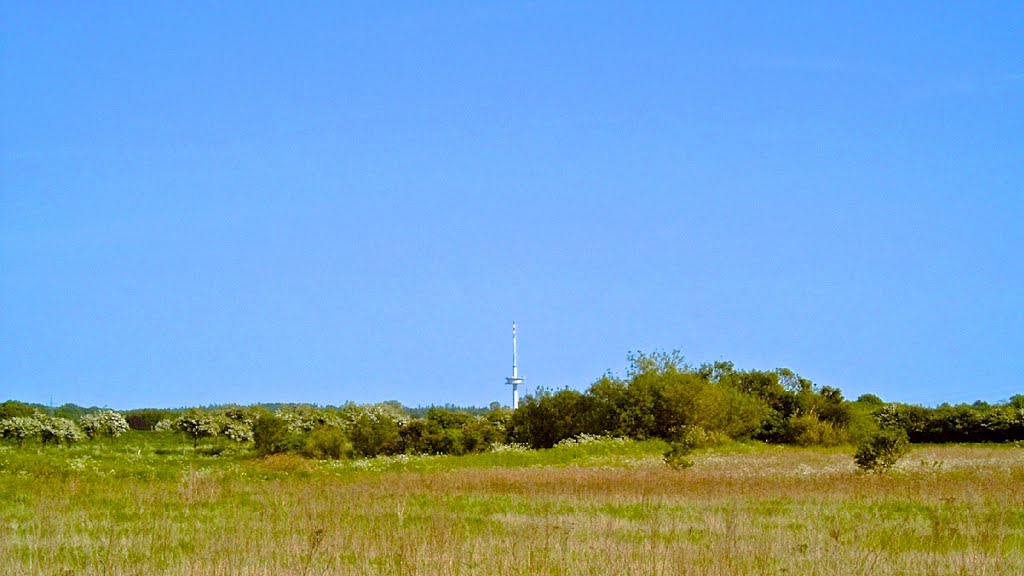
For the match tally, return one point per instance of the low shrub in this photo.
(678, 456)
(882, 450)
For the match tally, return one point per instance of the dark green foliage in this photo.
(374, 435)
(72, 411)
(13, 408)
(1016, 401)
(327, 443)
(423, 436)
(546, 418)
(423, 411)
(881, 451)
(870, 399)
(663, 395)
(146, 418)
(271, 435)
(963, 423)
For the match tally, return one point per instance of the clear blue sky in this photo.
(320, 202)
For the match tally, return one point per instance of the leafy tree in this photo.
(870, 399)
(197, 425)
(236, 423)
(1017, 401)
(13, 408)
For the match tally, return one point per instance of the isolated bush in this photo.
(103, 423)
(677, 456)
(20, 428)
(881, 451)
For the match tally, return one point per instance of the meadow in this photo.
(150, 503)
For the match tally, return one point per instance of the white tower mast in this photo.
(515, 380)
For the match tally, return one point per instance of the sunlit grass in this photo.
(150, 504)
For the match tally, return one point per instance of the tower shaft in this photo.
(515, 380)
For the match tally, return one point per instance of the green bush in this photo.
(271, 435)
(678, 456)
(698, 437)
(881, 451)
(374, 434)
(810, 430)
(327, 443)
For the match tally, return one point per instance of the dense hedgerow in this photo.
(661, 397)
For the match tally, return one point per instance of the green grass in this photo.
(151, 504)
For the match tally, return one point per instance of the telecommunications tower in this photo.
(515, 380)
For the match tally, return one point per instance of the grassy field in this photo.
(148, 504)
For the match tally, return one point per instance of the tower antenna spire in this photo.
(515, 380)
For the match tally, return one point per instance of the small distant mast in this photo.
(515, 380)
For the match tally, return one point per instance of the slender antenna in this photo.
(515, 368)
(515, 380)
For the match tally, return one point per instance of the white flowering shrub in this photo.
(237, 431)
(165, 425)
(196, 425)
(103, 423)
(236, 423)
(20, 428)
(58, 430)
(302, 419)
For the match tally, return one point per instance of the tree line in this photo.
(660, 396)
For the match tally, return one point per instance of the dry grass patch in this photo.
(770, 511)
